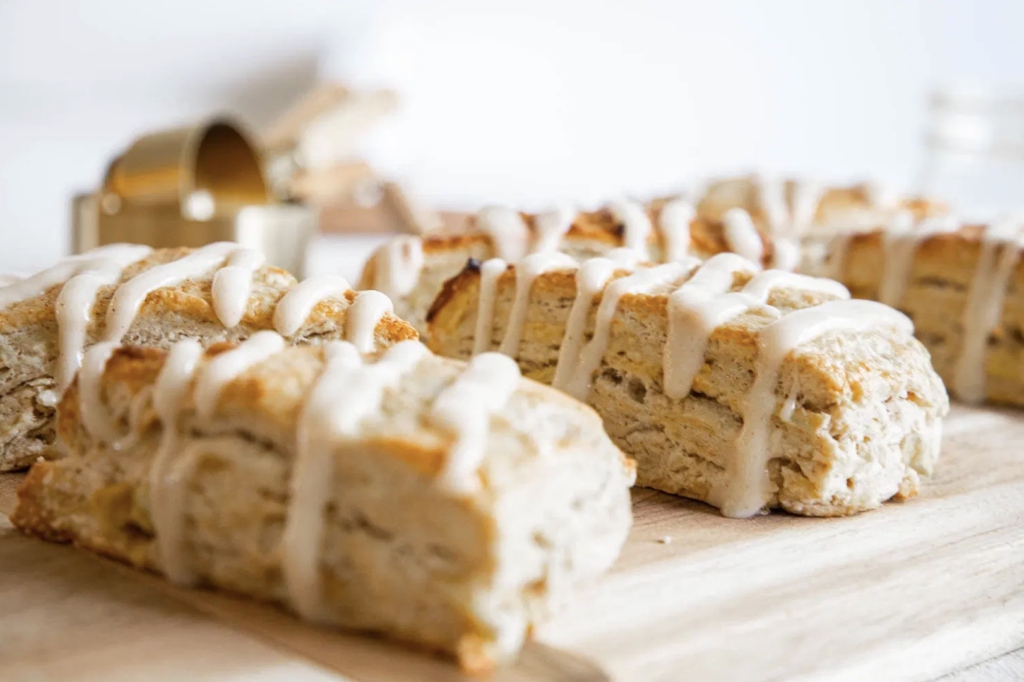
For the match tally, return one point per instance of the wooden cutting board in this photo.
(909, 592)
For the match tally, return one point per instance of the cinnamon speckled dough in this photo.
(591, 234)
(867, 405)
(460, 573)
(936, 298)
(29, 338)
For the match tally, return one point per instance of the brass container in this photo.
(190, 187)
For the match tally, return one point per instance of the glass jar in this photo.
(975, 152)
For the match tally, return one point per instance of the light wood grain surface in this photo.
(1001, 669)
(913, 591)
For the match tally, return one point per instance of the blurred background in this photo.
(526, 102)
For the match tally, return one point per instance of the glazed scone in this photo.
(744, 389)
(779, 223)
(400, 493)
(133, 295)
(796, 208)
(411, 270)
(805, 214)
(963, 285)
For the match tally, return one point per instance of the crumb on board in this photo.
(665, 540)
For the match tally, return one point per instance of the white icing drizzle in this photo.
(74, 313)
(368, 309)
(130, 296)
(697, 190)
(95, 417)
(702, 304)
(694, 311)
(674, 220)
(771, 193)
(624, 258)
(748, 490)
(741, 235)
(527, 272)
(82, 276)
(465, 407)
(786, 255)
(75, 303)
(807, 195)
(577, 380)
(294, 308)
(636, 224)
(86, 274)
(879, 195)
(399, 265)
(224, 368)
(490, 271)
(98, 259)
(591, 279)
(762, 284)
(507, 230)
(901, 241)
(166, 480)
(231, 289)
(347, 392)
(551, 227)
(232, 285)
(985, 306)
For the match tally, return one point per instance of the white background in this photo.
(522, 102)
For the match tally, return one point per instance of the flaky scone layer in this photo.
(29, 339)
(863, 419)
(462, 572)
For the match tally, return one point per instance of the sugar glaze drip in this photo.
(741, 236)
(295, 307)
(527, 272)
(399, 265)
(985, 305)
(674, 221)
(465, 407)
(348, 392)
(748, 467)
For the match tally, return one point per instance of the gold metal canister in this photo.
(193, 186)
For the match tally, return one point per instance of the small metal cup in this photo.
(190, 187)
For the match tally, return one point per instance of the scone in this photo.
(745, 389)
(795, 207)
(444, 504)
(963, 285)
(782, 223)
(133, 295)
(807, 213)
(411, 270)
